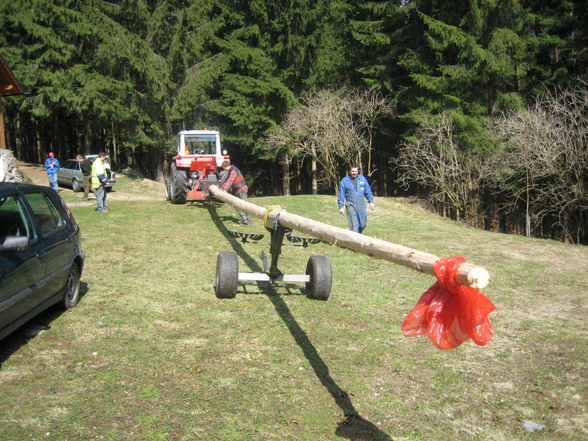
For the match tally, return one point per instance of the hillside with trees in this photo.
(477, 107)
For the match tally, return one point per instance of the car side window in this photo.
(47, 216)
(13, 222)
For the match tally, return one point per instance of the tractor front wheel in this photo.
(227, 275)
(321, 278)
(177, 185)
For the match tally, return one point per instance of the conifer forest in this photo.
(477, 108)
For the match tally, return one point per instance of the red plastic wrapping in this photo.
(450, 313)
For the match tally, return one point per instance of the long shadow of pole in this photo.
(354, 426)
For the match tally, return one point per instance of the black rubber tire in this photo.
(227, 275)
(321, 278)
(177, 189)
(71, 288)
(75, 185)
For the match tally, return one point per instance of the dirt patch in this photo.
(35, 172)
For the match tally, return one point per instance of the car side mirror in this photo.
(14, 243)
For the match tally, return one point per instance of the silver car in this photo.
(70, 175)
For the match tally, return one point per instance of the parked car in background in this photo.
(70, 174)
(41, 256)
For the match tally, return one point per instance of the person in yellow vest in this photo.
(100, 172)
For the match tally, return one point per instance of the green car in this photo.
(41, 256)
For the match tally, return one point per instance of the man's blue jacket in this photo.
(348, 195)
(354, 200)
(51, 170)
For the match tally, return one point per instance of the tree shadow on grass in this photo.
(354, 426)
(30, 329)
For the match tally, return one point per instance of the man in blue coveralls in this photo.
(352, 191)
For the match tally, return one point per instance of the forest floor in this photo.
(150, 353)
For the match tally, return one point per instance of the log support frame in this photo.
(277, 238)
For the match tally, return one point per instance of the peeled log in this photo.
(468, 274)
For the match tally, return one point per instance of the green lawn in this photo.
(151, 354)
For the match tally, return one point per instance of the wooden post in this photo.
(467, 274)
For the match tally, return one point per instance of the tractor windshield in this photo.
(200, 144)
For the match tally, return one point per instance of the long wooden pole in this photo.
(467, 274)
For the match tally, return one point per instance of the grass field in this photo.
(150, 353)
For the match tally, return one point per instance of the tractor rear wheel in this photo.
(321, 278)
(177, 185)
(227, 275)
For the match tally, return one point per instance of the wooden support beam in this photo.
(467, 274)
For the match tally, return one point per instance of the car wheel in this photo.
(72, 288)
(75, 185)
(227, 275)
(321, 278)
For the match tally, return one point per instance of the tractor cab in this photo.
(200, 143)
(195, 166)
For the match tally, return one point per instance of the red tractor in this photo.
(195, 166)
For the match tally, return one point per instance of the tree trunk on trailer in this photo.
(467, 273)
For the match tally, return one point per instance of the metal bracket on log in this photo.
(467, 274)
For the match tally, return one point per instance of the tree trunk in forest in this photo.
(115, 157)
(467, 273)
(40, 154)
(298, 177)
(286, 175)
(313, 171)
(156, 161)
(87, 140)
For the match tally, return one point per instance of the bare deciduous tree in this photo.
(543, 160)
(451, 176)
(333, 129)
(369, 107)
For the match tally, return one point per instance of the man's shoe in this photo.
(84, 199)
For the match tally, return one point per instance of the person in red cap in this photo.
(52, 165)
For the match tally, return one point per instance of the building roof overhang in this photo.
(9, 85)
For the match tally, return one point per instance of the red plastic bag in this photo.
(450, 313)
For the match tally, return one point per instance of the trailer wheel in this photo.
(227, 275)
(177, 185)
(321, 278)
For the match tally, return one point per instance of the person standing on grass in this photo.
(52, 165)
(86, 168)
(353, 190)
(232, 179)
(99, 181)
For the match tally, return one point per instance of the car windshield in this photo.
(201, 144)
